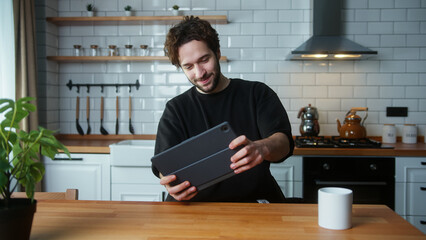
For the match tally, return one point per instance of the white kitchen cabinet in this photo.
(410, 190)
(289, 176)
(89, 173)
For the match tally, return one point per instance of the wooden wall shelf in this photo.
(63, 21)
(114, 58)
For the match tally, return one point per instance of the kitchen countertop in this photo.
(66, 219)
(100, 144)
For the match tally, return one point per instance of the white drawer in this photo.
(410, 169)
(419, 222)
(137, 192)
(416, 199)
(133, 175)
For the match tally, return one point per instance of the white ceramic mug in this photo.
(335, 208)
(409, 133)
(389, 133)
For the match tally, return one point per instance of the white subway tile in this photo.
(407, 4)
(415, 92)
(240, 41)
(253, 5)
(277, 28)
(302, 79)
(393, 15)
(341, 66)
(265, 16)
(265, 41)
(240, 16)
(228, 5)
(290, 15)
(404, 79)
(380, 4)
(392, 66)
(406, 27)
(278, 4)
(240, 66)
(406, 53)
(412, 104)
(297, 103)
(300, 4)
(367, 15)
(290, 41)
(252, 54)
(416, 66)
(276, 53)
(422, 105)
(327, 79)
(154, 5)
(354, 79)
(356, 4)
(323, 104)
(290, 91)
(347, 104)
(290, 66)
(315, 66)
(340, 92)
(392, 92)
(416, 14)
(315, 91)
(368, 40)
(253, 28)
(366, 92)
(228, 29)
(417, 118)
(380, 27)
(277, 79)
(378, 104)
(367, 66)
(300, 28)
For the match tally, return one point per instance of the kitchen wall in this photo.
(257, 39)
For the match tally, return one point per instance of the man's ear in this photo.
(218, 55)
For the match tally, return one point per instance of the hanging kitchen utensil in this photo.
(103, 130)
(131, 129)
(116, 115)
(77, 113)
(89, 130)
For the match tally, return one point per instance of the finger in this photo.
(185, 195)
(240, 154)
(167, 179)
(178, 188)
(241, 140)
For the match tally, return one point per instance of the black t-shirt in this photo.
(252, 109)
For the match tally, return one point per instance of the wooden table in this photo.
(64, 219)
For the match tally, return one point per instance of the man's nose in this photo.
(199, 71)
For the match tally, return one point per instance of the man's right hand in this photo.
(180, 192)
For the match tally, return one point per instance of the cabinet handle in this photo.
(422, 222)
(423, 188)
(68, 159)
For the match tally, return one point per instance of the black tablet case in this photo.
(203, 160)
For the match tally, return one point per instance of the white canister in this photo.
(389, 133)
(409, 133)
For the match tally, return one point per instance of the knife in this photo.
(116, 115)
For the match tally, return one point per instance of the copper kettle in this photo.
(353, 124)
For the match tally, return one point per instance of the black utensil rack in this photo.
(70, 85)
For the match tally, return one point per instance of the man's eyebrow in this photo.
(199, 59)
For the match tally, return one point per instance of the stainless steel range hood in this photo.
(327, 42)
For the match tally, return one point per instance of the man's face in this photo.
(200, 65)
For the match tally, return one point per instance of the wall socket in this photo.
(396, 111)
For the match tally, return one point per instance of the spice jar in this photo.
(128, 51)
(112, 50)
(144, 50)
(93, 50)
(77, 50)
(409, 133)
(389, 133)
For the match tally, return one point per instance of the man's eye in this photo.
(187, 67)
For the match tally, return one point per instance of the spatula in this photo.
(77, 113)
(116, 115)
(89, 130)
(131, 129)
(103, 130)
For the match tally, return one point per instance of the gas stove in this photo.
(335, 142)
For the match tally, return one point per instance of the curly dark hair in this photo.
(190, 28)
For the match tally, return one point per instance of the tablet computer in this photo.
(203, 160)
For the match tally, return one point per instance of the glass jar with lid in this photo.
(143, 50)
(112, 50)
(78, 51)
(93, 50)
(128, 51)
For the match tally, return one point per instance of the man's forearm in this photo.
(277, 145)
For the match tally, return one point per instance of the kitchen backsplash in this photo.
(259, 36)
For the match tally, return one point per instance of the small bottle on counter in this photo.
(143, 50)
(112, 50)
(389, 133)
(93, 50)
(409, 133)
(128, 51)
(78, 50)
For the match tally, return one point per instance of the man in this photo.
(253, 110)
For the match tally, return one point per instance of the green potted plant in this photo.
(175, 10)
(90, 9)
(20, 164)
(128, 10)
